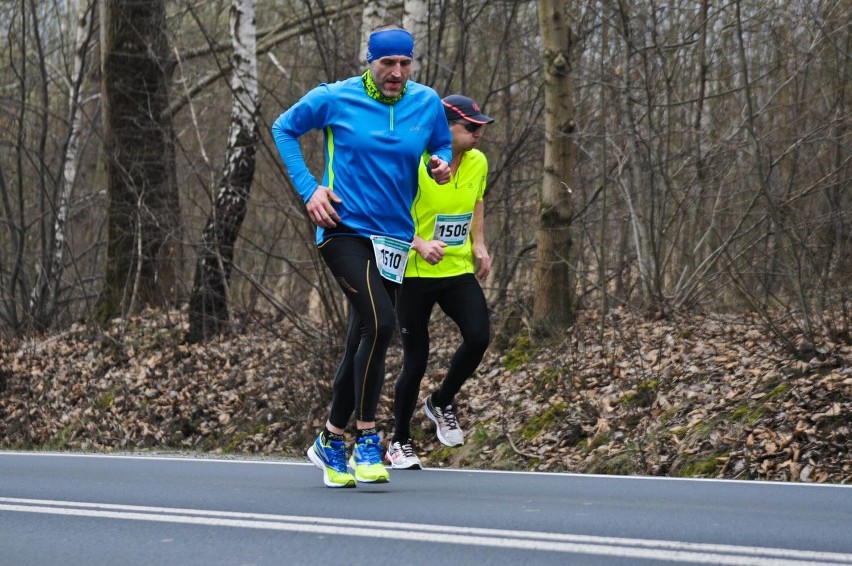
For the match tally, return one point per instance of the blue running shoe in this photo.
(366, 460)
(331, 459)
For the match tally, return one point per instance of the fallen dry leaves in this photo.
(706, 396)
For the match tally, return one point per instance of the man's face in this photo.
(390, 74)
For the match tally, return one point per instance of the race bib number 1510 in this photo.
(391, 257)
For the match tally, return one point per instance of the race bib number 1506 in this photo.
(452, 229)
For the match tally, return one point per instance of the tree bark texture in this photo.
(208, 304)
(143, 200)
(46, 291)
(553, 295)
(415, 18)
(374, 14)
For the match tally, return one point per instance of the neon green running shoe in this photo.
(331, 459)
(366, 460)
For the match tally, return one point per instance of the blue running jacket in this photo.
(372, 151)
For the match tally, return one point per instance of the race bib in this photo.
(391, 257)
(452, 229)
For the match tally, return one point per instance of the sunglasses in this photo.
(469, 126)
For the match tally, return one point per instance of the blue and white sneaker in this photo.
(331, 459)
(366, 460)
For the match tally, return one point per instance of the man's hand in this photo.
(430, 250)
(440, 170)
(319, 207)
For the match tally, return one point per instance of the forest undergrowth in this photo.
(702, 395)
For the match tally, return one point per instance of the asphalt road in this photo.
(127, 510)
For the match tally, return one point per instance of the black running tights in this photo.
(461, 298)
(360, 375)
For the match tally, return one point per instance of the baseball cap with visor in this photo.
(458, 107)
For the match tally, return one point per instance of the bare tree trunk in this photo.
(415, 18)
(700, 161)
(208, 302)
(638, 187)
(12, 264)
(837, 195)
(143, 201)
(374, 14)
(40, 104)
(604, 167)
(45, 292)
(553, 299)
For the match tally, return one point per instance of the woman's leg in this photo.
(463, 301)
(413, 311)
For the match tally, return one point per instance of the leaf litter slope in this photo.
(697, 396)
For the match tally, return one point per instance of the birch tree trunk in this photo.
(45, 293)
(208, 303)
(374, 14)
(553, 295)
(415, 18)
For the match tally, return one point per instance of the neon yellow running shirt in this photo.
(445, 212)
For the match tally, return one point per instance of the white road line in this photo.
(297, 462)
(161, 458)
(526, 540)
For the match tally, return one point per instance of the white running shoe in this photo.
(401, 456)
(447, 427)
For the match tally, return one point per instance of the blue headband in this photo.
(388, 42)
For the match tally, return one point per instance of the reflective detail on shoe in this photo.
(446, 425)
(331, 459)
(401, 456)
(366, 460)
